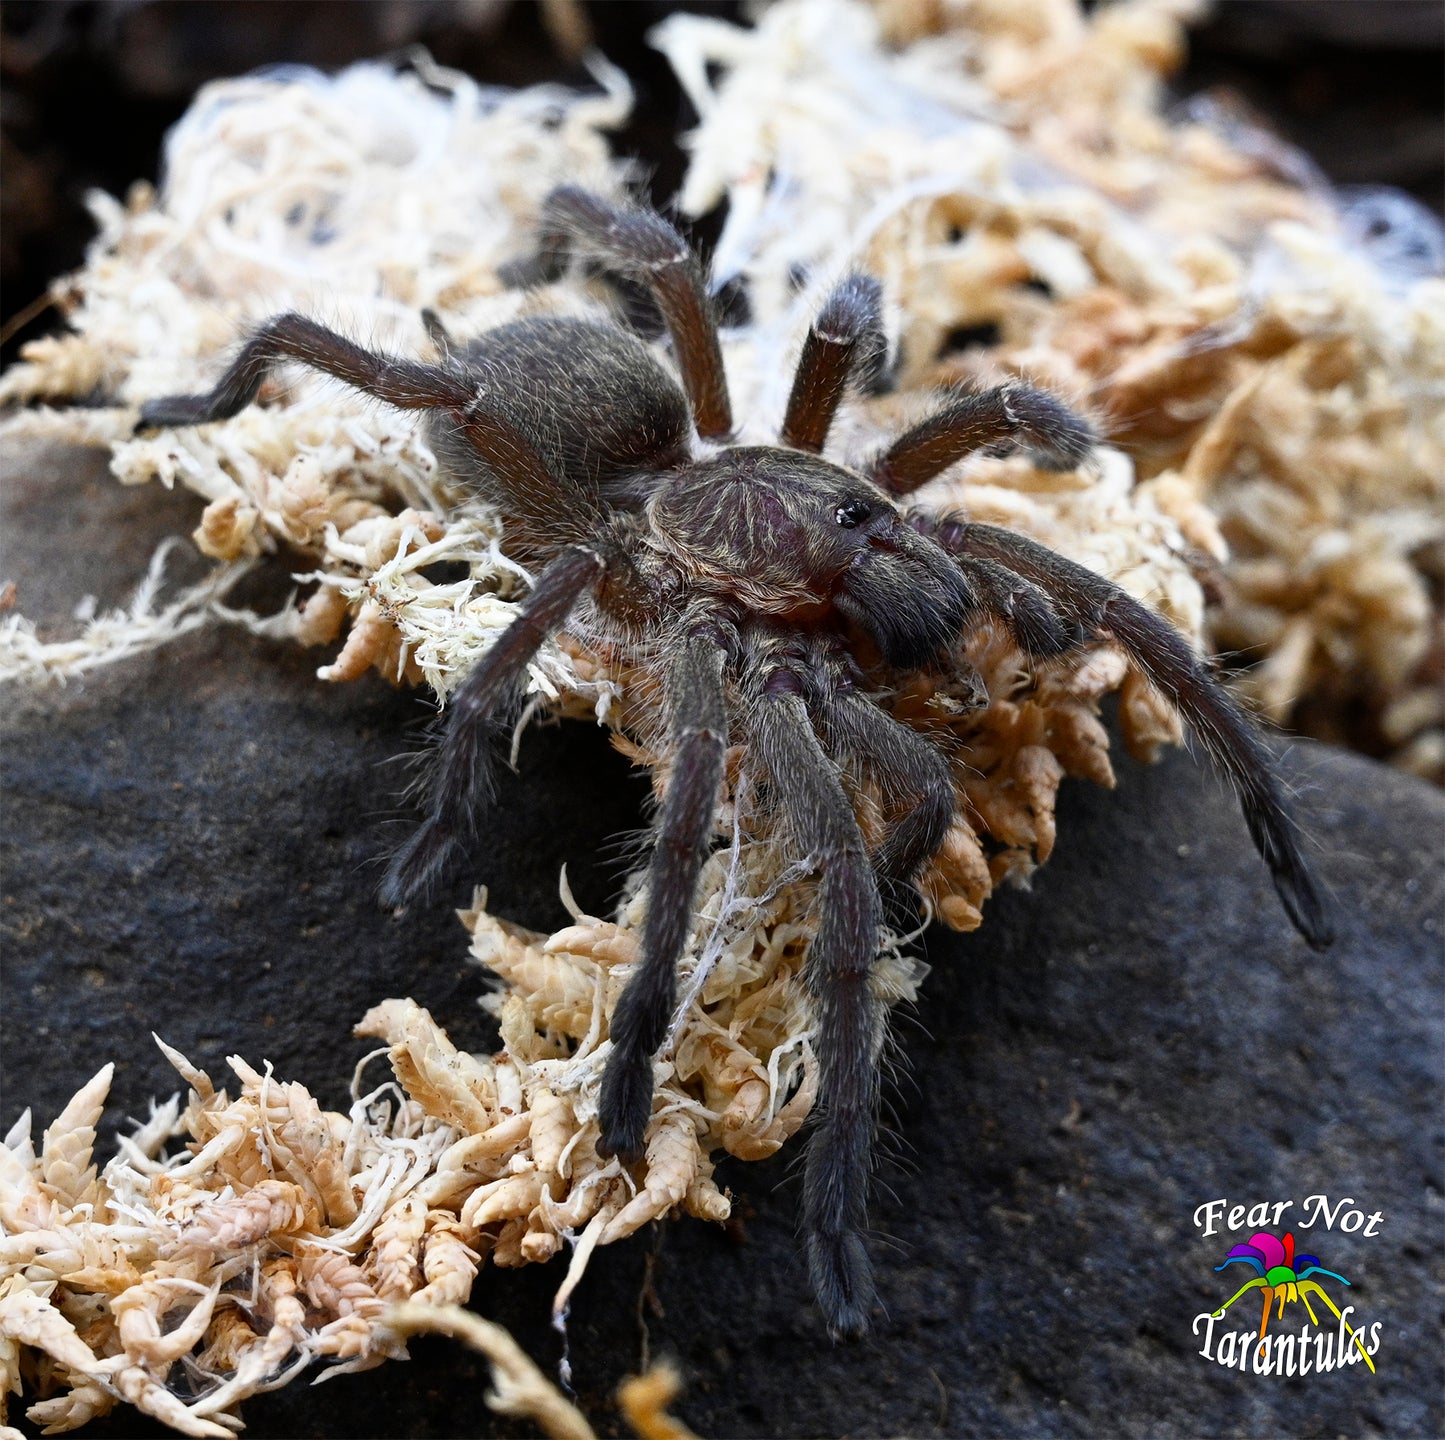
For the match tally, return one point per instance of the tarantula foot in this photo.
(418, 865)
(1306, 906)
(1054, 435)
(171, 411)
(842, 1276)
(626, 1108)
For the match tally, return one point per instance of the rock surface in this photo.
(188, 848)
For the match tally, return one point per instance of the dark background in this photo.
(189, 842)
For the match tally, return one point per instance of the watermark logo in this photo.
(1329, 1339)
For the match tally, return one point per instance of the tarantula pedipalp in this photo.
(754, 579)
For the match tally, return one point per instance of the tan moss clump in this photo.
(282, 1235)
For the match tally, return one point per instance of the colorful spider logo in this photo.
(1281, 1276)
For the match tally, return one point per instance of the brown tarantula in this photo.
(755, 578)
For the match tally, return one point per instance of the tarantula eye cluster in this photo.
(760, 582)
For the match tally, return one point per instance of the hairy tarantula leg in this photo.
(1032, 619)
(532, 491)
(913, 774)
(407, 384)
(641, 243)
(639, 1024)
(1011, 415)
(839, 1160)
(1224, 727)
(461, 781)
(847, 333)
(438, 333)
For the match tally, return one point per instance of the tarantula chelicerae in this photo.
(756, 578)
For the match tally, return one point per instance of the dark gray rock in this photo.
(189, 843)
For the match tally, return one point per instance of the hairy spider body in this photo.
(759, 581)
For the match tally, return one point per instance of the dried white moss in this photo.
(1274, 386)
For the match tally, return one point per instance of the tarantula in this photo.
(759, 580)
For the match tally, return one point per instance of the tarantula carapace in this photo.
(755, 579)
